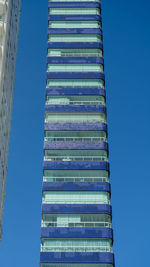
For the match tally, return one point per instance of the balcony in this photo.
(77, 224)
(64, 101)
(75, 176)
(76, 139)
(75, 179)
(76, 158)
(76, 249)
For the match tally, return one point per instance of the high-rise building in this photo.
(76, 228)
(9, 23)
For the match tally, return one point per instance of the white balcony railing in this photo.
(75, 158)
(97, 201)
(76, 248)
(76, 179)
(70, 138)
(51, 102)
(76, 224)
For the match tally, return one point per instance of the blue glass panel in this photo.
(76, 126)
(75, 91)
(77, 257)
(74, 17)
(76, 186)
(75, 60)
(64, 232)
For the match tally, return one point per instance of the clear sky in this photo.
(126, 26)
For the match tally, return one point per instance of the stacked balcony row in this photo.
(76, 212)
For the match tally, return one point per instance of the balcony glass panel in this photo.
(76, 220)
(75, 118)
(74, 197)
(74, 11)
(75, 100)
(75, 176)
(75, 155)
(75, 53)
(76, 245)
(84, 136)
(75, 83)
(75, 68)
(74, 24)
(74, 38)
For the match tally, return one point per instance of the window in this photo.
(75, 100)
(74, 11)
(76, 117)
(75, 155)
(75, 68)
(76, 245)
(74, 197)
(76, 176)
(85, 136)
(75, 83)
(76, 220)
(74, 24)
(74, 38)
(75, 52)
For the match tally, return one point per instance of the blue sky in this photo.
(127, 56)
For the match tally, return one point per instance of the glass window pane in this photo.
(75, 155)
(74, 38)
(74, 134)
(76, 220)
(74, 24)
(74, 11)
(76, 245)
(75, 68)
(75, 83)
(71, 117)
(74, 197)
(75, 100)
(75, 52)
(76, 176)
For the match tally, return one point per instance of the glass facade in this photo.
(75, 52)
(74, 24)
(76, 245)
(76, 225)
(74, 11)
(75, 68)
(73, 118)
(76, 176)
(75, 83)
(75, 38)
(76, 197)
(75, 100)
(76, 220)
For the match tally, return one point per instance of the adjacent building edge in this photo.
(9, 26)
